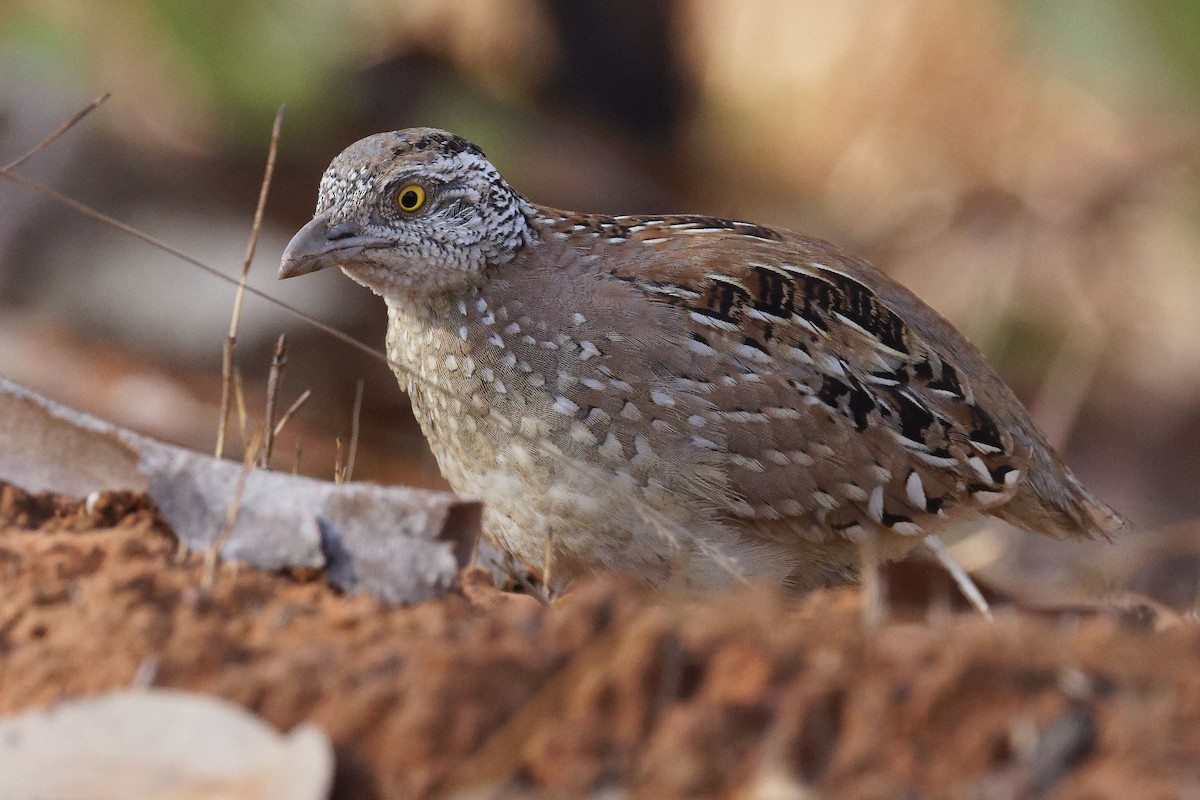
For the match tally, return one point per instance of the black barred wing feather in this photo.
(845, 403)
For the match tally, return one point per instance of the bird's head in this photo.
(411, 214)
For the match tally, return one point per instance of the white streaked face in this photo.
(410, 214)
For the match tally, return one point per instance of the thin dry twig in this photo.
(239, 397)
(274, 377)
(292, 409)
(251, 246)
(339, 471)
(212, 554)
(354, 419)
(961, 579)
(296, 457)
(59, 131)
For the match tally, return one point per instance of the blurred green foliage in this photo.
(237, 60)
(1143, 49)
(231, 61)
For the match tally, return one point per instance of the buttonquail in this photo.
(681, 398)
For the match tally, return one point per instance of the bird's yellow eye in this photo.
(410, 198)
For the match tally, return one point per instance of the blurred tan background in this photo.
(1029, 168)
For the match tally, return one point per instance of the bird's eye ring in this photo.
(410, 198)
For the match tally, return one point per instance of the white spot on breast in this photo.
(630, 411)
(564, 406)
(700, 348)
(611, 449)
(481, 305)
(587, 350)
(592, 383)
(451, 363)
(500, 387)
(495, 341)
(462, 333)
(597, 416)
(578, 318)
(697, 421)
(581, 434)
(707, 444)
(907, 528)
(661, 398)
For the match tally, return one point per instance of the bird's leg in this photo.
(871, 579)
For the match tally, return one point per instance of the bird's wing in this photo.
(844, 403)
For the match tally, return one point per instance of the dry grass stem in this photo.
(57, 132)
(212, 554)
(226, 388)
(274, 377)
(339, 472)
(354, 420)
(251, 246)
(292, 409)
(239, 397)
(960, 576)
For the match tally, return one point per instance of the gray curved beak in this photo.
(304, 253)
(319, 245)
